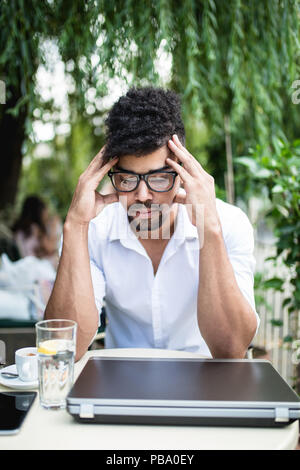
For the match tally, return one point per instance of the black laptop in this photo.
(207, 392)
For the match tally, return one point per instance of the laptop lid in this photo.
(112, 385)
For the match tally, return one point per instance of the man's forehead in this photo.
(145, 163)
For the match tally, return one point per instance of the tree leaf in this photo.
(288, 339)
(273, 283)
(276, 322)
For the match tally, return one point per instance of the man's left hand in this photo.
(199, 186)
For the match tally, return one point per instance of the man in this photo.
(174, 263)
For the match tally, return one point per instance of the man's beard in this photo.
(147, 227)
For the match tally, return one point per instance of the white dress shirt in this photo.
(160, 311)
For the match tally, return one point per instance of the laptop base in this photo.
(183, 421)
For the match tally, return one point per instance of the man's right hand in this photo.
(87, 202)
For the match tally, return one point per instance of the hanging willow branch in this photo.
(235, 58)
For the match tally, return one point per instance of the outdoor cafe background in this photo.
(236, 66)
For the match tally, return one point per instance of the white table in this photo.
(49, 429)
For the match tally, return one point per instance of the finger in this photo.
(182, 172)
(96, 176)
(176, 140)
(101, 172)
(96, 161)
(184, 158)
(179, 144)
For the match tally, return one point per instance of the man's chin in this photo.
(149, 228)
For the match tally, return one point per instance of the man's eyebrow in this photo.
(167, 167)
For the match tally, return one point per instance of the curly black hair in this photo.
(142, 121)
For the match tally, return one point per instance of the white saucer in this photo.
(16, 383)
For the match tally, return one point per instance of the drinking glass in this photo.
(56, 346)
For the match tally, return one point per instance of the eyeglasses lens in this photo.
(157, 181)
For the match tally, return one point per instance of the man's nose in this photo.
(142, 192)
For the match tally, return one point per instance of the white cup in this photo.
(27, 364)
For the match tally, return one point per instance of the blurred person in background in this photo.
(37, 231)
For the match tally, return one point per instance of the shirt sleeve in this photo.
(240, 249)
(98, 281)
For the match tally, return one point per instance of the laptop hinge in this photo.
(86, 410)
(281, 415)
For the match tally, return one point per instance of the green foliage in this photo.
(279, 172)
(274, 283)
(259, 292)
(227, 59)
(55, 175)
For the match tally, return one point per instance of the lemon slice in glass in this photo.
(52, 346)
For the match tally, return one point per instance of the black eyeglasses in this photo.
(156, 180)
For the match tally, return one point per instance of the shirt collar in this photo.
(184, 228)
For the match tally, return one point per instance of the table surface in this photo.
(56, 429)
